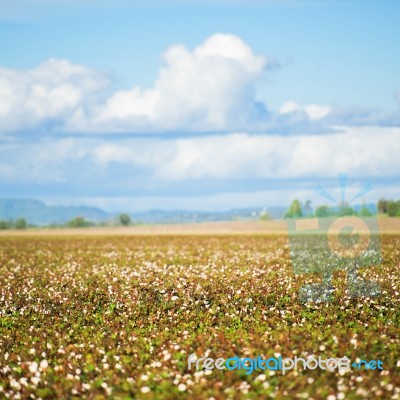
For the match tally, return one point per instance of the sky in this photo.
(132, 105)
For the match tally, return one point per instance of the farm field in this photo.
(387, 225)
(116, 317)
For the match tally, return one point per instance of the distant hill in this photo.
(38, 213)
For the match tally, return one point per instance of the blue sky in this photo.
(206, 105)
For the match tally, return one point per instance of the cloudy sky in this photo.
(131, 105)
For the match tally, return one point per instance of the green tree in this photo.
(5, 224)
(323, 212)
(124, 219)
(295, 210)
(79, 222)
(345, 210)
(393, 208)
(364, 212)
(20, 223)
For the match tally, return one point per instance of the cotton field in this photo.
(117, 318)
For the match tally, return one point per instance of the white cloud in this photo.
(209, 88)
(184, 170)
(49, 93)
(360, 151)
(313, 111)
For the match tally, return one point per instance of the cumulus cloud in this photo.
(211, 88)
(207, 89)
(48, 94)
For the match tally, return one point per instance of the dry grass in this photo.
(386, 225)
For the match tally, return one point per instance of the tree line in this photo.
(389, 207)
(298, 210)
(77, 222)
(19, 223)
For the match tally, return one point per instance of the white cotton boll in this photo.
(33, 367)
(182, 387)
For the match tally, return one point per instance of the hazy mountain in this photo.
(38, 213)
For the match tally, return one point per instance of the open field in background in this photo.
(388, 225)
(116, 317)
